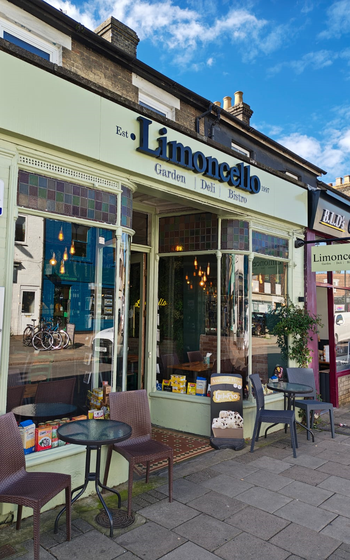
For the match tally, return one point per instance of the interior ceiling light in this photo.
(53, 259)
(60, 235)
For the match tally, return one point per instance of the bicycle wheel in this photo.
(65, 339)
(56, 340)
(42, 340)
(27, 336)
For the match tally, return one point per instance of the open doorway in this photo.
(136, 322)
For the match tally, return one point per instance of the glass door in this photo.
(136, 323)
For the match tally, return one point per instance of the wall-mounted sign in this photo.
(329, 214)
(330, 257)
(2, 189)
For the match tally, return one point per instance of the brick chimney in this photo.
(240, 110)
(119, 34)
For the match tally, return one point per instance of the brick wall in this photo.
(344, 389)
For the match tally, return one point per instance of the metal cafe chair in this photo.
(30, 489)
(270, 416)
(310, 403)
(132, 407)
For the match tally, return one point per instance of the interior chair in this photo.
(30, 489)
(169, 360)
(61, 390)
(132, 407)
(195, 356)
(310, 403)
(270, 416)
(226, 366)
(14, 397)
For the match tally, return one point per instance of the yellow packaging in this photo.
(98, 415)
(191, 388)
(91, 414)
(166, 385)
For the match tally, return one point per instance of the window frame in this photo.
(22, 34)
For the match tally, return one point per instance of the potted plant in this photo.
(295, 327)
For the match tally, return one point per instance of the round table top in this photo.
(286, 387)
(94, 432)
(44, 410)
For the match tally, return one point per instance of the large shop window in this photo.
(269, 290)
(65, 284)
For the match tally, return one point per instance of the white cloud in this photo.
(314, 60)
(338, 20)
(210, 61)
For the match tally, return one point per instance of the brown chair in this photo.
(169, 360)
(61, 391)
(14, 397)
(30, 489)
(132, 407)
(195, 356)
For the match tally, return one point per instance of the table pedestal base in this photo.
(119, 516)
(93, 476)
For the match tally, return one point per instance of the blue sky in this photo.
(291, 58)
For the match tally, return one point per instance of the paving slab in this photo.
(257, 522)
(234, 468)
(270, 464)
(337, 485)
(217, 505)
(208, 532)
(339, 529)
(201, 476)
(184, 490)
(269, 480)
(335, 469)
(263, 499)
(227, 485)
(168, 514)
(150, 541)
(305, 515)
(189, 551)
(29, 554)
(309, 461)
(337, 504)
(313, 495)
(248, 547)
(303, 474)
(305, 542)
(89, 546)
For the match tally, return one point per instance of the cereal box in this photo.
(27, 431)
(43, 437)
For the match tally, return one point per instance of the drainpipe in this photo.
(208, 112)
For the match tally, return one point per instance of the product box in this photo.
(235, 433)
(201, 387)
(191, 388)
(166, 385)
(27, 431)
(43, 437)
(81, 417)
(99, 415)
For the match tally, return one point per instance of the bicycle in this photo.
(60, 337)
(29, 332)
(42, 340)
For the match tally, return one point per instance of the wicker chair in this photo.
(14, 397)
(33, 489)
(270, 416)
(61, 390)
(132, 407)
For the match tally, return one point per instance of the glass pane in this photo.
(140, 225)
(20, 234)
(27, 46)
(235, 235)
(187, 317)
(192, 232)
(269, 245)
(72, 292)
(342, 326)
(234, 316)
(341, 279)
(269, 290)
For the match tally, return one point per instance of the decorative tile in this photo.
(191, 232)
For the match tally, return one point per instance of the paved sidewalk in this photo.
(230, 505)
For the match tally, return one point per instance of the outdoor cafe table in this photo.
(290, 390)
(93, 434)
(44, 410)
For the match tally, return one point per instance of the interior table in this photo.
(290, 390)
(44, 411)
(93, 434)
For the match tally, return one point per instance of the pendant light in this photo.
(208, 269)
(195, 262)
(65, 255)
(72, 248)
(62, 270)
(60, 235)
(53, 259)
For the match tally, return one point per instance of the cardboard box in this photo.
(227, 433)
(27, 431)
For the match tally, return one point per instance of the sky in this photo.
(291, 59)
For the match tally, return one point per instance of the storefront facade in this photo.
(327, 292)
(142, 238)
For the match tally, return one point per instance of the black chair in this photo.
(310, 403)
(270, 416)
(195, 356)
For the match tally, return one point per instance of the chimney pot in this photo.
(238, 97)
(227, 102)
(339, 181)
(218, 103)
(346, 178)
